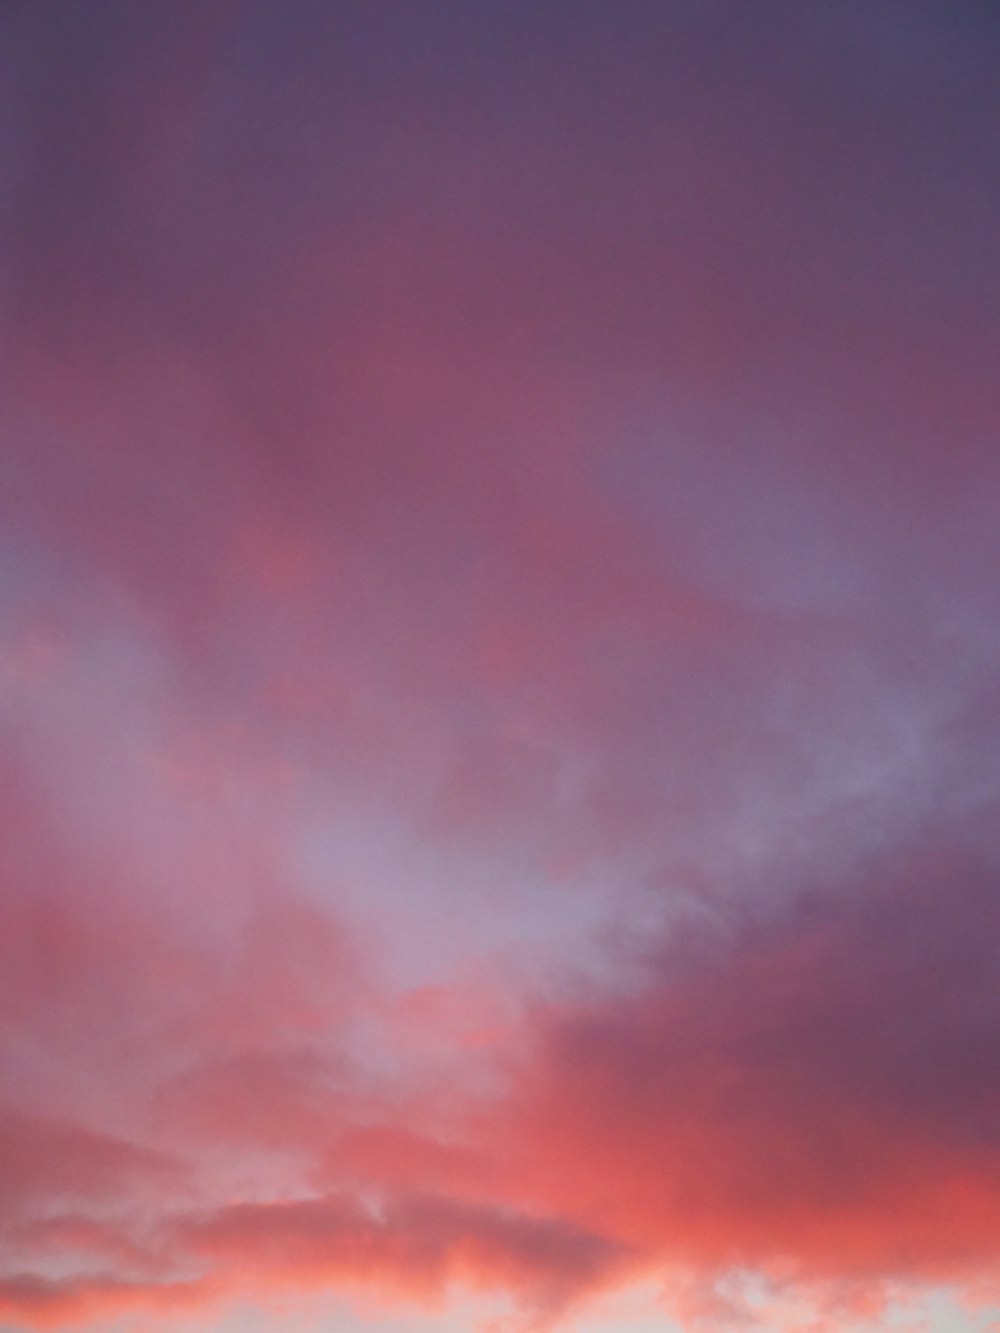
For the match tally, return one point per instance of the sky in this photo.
(500, 666)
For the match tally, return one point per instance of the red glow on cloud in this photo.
(498, 657)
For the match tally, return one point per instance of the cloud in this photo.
(37, 1302)
(45, 1162)
(497, 652)
(814, 1091)
(416, 1244)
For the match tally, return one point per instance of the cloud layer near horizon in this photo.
(498, 656)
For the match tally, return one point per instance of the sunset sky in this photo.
(500, 666)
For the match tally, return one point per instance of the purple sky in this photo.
(499, 659)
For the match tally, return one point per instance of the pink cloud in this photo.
(497, 655)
